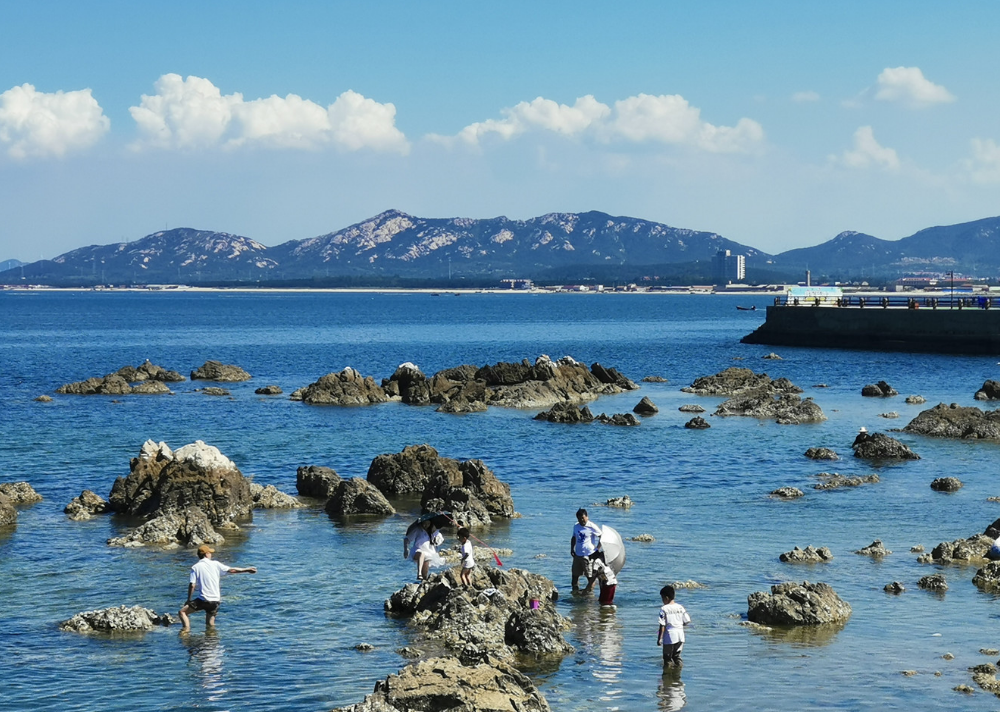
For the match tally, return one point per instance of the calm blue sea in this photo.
(286, 636)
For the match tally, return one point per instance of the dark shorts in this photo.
(200, 604)
(672, 653)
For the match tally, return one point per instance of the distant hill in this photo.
(9, 264)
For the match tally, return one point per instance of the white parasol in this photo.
(614, 548)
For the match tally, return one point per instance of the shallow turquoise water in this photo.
(286, 637)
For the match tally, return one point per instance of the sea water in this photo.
(286, 637)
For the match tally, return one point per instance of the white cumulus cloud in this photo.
(34, 123)
(909, 86)
(193, 113)
(667, 119)
(867, 152)
(984, 166)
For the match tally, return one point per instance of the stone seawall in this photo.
(968, 331)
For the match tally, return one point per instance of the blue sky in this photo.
(776, 124)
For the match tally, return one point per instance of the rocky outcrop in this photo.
(735, 381)
(933, 582)
(446, 685)
(875, 550)
(197, 475)
(218, 371)
(645, 407)
(960, 551)
(150, 388)
(409, 384)
(470, 491)
(187, 527)
(623, 502)
(19, 493)
(409, 471)
(566, 413)
(797, 604)
(149, 379)
(691, 409)
(358, 497)
(269, 391)
(149, 372)
(989, 391)
(654, 379)
(809, 555)
(214, 391)
(833, 480)
(316, 481)
(772, 357)
(915, 400)
(821, 453)
(270, 497)
(895, 588)
(123, 619)
(347, 387)
(492, 620)
(110, 385)
(787, 493)
(43, 399)
(879, 390)
(86, 506)
(879, 446)
(946, 484)
(8, 515)
(697, 423)
(787, 408)
(622, 419)
(988, 577)
(955, 421)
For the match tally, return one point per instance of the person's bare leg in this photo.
(420, 565)
(186, 622)
(209, 620)
(425, 568)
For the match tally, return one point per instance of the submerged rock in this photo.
(20, 493)
(117, 619)
(44, 398)
(832, 481)
(879, 446)
(946, 484)
(797, 604)
(623, 502)
(218, 371)
(735, 381)
(895, 587)
(348, 387)
(772, 357)
(8, 515)
(654, 379)
(890, 415)
(821, 453)
(691, 409)
(645, 407)
(187, 527)
(933, 582)
(446, 685)
(357, 496)
(566, 413)
(988, 577)
(809, 555)
(622, 419)
(316, 481)
(269, 391)
(85, 506)
(214, 391)
(270, 497)
(150, 388)
(644, 538)
(989, 391)
(879, 390)
(697, 423)
(955, 421)
(875, 550)
(915, 400)
(787, 493)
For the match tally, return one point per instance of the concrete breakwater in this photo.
(966, 331)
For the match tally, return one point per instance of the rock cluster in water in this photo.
(147, 379)
(348, 387)
(86, 506)
(270, 497)
(446, 685)
(879, 446)
(797, 604)
(356, 496)
(316, 481)
(989, 391)
(809, 555)
(566, 413)
(955, 421)
(13, 495)
(122, 619)
(963, 551)
(879, 390)
(876, 550)
(787, 493)
(834, 480)
(757, 395)
(946, 484)
(821, 453)
(697, 423)
(218, 371)
(493, 620)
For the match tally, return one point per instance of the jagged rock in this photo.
(269, 391)
(955, 421)
(20, 493)
(345, 388)
(915, 400)
(316, 481)
(876, 550)
(895, 587)
(831, 481)
(446, 685)
(772, 357)
(408, 471)
(917, 548)
(797, 604)
(196, 475)
(988, 577)
(112, 385)
(117, 619)
(149, 378)
(623, 502)
(214, 391)
(645, 538)
(409, 653)
(623, 419)
(787, 408)
(186, 527)
(470, 491)
(809, 555)
(788, 492)
(735, 381)
(493, 619)
(890, 415)
(962, 550)
(688, 584)
(934, 582)
(691, 409)
(566, 413)
(547, 383)
(645, 407)
(85, 506)
(270, 497)
(217, 371)
(697, 423)
(149, 372)
(989, 391)
(8, 515)
(821, 453)
(879, 446)
(358, 496)
(409, 384)
(879, 390)
(654, 379)
(44, 399)
(946, 484)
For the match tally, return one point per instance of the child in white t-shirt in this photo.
(468, 559)
(608, 581)
(673, 618)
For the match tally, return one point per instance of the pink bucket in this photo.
(535, 603)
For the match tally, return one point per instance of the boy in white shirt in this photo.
(673, 618)
(468, 559)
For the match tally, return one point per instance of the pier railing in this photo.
(892, 301)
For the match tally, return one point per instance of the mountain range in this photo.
(567, 246)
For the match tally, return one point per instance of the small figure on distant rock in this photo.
(204, 593)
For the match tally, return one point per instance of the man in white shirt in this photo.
(584, 548)
(673, 618)
(204, 593)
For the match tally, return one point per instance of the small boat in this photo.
(753, 308)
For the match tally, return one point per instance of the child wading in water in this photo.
(673, 618)
(468, 559)
(608, 581)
